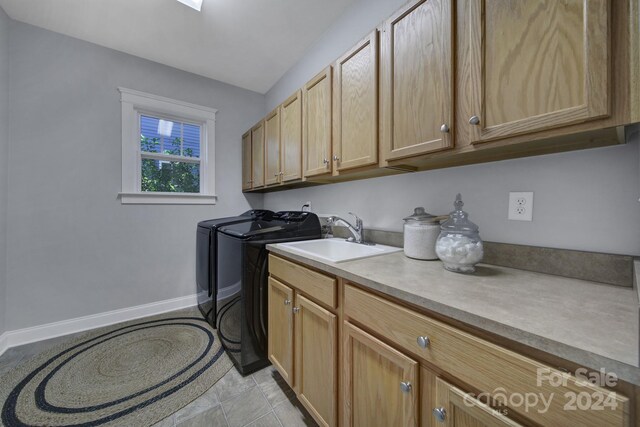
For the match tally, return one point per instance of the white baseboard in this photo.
(51, 330)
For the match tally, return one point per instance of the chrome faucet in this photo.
(357, 231)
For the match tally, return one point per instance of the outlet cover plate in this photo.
(521, 206)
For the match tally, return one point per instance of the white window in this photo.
(167, 150)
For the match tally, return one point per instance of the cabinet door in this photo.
(536, 65)
(316, 124)
(417, 80)
(380, 383)
(280, 324)
(316, 350)
(257, 155)
(457, 409)
(272, 147)
(246, 161)
(355, 96)
(291, 137)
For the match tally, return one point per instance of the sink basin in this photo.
(338, 250)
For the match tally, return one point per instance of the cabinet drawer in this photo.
(485, 366)
(316, 285)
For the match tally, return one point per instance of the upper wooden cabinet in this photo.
(291, 137)
(246, 161)
(257, 154)
(534, 65)
(316, 124)
(272, 147)
(355, 97)
(417, 80)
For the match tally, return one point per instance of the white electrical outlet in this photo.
(521, 206)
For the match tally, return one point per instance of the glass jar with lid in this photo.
(421, 231)
(459, 245)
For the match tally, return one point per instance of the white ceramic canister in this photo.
(421, 231)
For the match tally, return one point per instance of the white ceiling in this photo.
(247, 43)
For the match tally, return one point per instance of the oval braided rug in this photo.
(133, 374)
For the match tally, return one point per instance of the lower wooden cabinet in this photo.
(316, 364)
(401, 367)
(280, 324)
(303, 347)
(380, 383)
(456, 409)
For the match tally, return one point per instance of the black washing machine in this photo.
(243, 257)
(211, 286)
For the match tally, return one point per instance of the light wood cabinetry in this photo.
(316, 124)
(417, 80)
(247, 169)
(536, 65)
(456, 409)
(303, 336)
(400, 366)
(272, 147)
(280, 324)
(380, 383)
(316, 349)
(291, 137)
(355, 97)
(257, 155)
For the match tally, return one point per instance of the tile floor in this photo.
(259, 400)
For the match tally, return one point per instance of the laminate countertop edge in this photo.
(549, 342)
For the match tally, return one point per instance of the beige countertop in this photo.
(591, 324)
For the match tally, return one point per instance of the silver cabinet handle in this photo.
(424, 341)
(440, 414)
(405, 387)
(296, 310)
(474, 120)
(287, 302)
(281, 173)
(444, 128)
(335, 158)
(325, 161)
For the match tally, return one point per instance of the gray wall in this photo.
(355, 23)
(585, 200)
(4, 141)
(73, 249)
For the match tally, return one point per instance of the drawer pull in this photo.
(424, 341)
(287, 302)
(405, 387)
(440, 414)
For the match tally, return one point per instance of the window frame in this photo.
(134, 104)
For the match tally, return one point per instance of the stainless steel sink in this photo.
(338, 250)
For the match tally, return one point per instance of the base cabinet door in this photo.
(457, 409)
(316, 357)
(280, 324)
(380, 383)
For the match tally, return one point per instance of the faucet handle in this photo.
(358, 221)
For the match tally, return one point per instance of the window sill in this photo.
(167, 199)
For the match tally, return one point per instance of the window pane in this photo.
(149, 137)
(191, 145)
(172, 133)
(170, 177)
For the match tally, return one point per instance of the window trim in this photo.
(133, 104)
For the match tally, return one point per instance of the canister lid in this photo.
(459, 219)
(420, 215)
